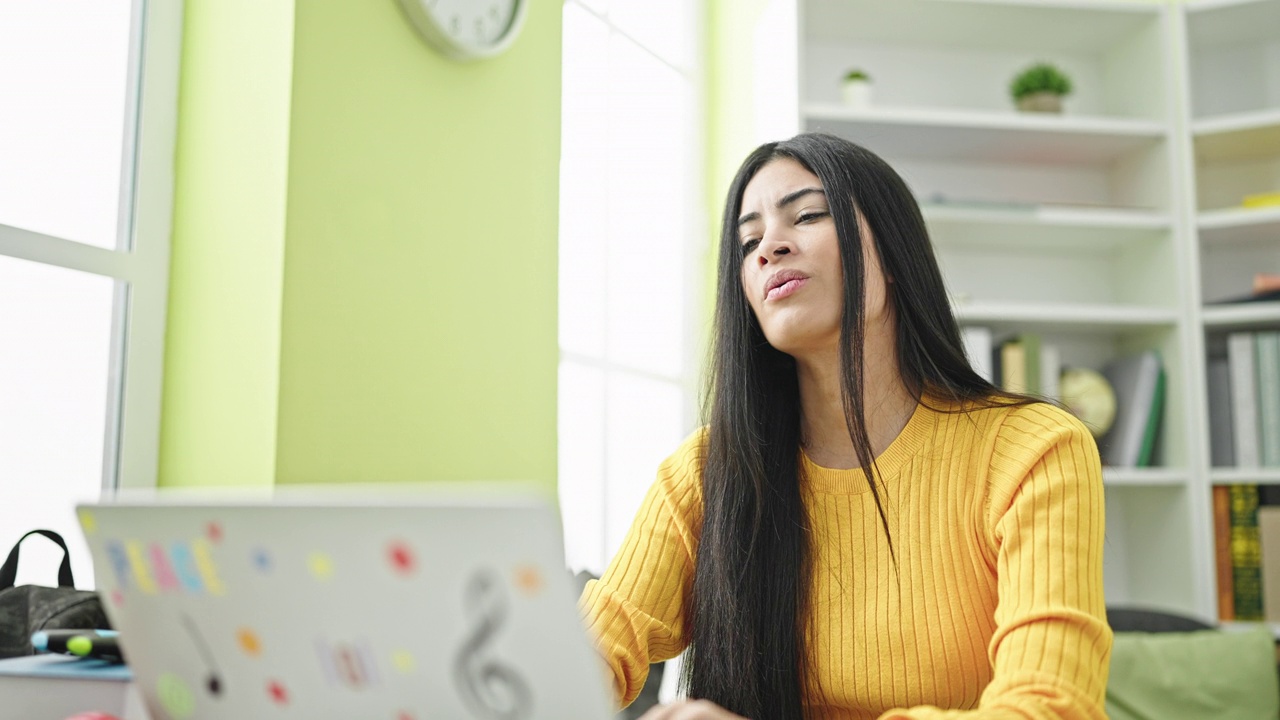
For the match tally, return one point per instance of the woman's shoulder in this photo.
(998, 415)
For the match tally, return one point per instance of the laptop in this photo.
(408, 609)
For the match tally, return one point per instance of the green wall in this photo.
(222, 351)
(420, 276)
(409, 330)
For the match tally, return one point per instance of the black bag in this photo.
(31, 608)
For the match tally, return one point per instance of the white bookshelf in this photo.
(996, 137)
(1081, 317)
(1233, 476)
(1145, 477)
(1112, 228)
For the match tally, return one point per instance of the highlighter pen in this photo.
(55, 641)
(102, 648)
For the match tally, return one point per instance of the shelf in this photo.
(1042, 226)
(1021, 27)
(1081, 317)
(1239, 225)
(1241, 315)
(1239, 136)
(1143, 477)
(1245, 476)
(1049, 215)
(951, 135)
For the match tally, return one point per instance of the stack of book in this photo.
(1244, 401)
(1244, 431)
(1139, 385)
(1024, 363)
(1246, 521)
(1021, 364)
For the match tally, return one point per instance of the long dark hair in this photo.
(748, 606)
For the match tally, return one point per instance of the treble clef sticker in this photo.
(492, 690)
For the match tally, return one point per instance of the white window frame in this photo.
(697, 252)
(141, 258)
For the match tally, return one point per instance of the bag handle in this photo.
(9, 571)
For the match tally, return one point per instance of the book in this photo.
(1139, 385)
(1244, 399)
(978, 347)
(1013, 366)
(55, 687)
(1222, 450)
(1246, 570)
(1050, 372)
(1031, 359)
(1269, 545)
(1222, 552)
(1020, 364)
(1267, 369)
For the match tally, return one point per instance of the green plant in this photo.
(1041, 77)
(856, 75)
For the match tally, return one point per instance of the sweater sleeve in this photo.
(635, 612)
(1052, 646)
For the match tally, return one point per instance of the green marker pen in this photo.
(103, 648)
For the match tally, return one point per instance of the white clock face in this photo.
(467, 29)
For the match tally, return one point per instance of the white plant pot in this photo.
(857, 93)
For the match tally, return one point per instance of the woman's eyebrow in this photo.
(782, 203)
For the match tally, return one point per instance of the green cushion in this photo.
(1194, 675)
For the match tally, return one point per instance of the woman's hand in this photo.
(690, 710)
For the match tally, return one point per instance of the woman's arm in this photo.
(1052, 646)
(635, 612)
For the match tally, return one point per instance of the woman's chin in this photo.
(798, 342)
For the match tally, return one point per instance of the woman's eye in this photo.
(811, 216)
(749, 246)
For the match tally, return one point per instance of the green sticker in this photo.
(175, 697)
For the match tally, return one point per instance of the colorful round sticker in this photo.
(174, 696)
(278, 692)
(403, 661)
(529, 580)
(262, 560)
(321, 566)
(401, 557)
(249, 642)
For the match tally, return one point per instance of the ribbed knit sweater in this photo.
(997, 608)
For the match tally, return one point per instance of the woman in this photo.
(865, 528)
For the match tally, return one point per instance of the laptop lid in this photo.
(337, 609)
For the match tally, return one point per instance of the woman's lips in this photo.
(786, 289)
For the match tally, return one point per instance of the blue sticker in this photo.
(184, 566)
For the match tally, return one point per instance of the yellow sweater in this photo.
(997, 520)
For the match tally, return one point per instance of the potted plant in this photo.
(856, 89)
(1040, 88)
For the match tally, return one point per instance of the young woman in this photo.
(865, 528)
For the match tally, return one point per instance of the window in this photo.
(631, 242)
(86, 133)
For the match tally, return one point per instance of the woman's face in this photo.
(791, 270)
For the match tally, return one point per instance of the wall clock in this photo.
(467, 29)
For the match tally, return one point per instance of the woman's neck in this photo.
(887, 404)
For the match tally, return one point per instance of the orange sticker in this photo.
(529, 580)
(249, 642)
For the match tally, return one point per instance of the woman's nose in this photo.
(771, 249)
